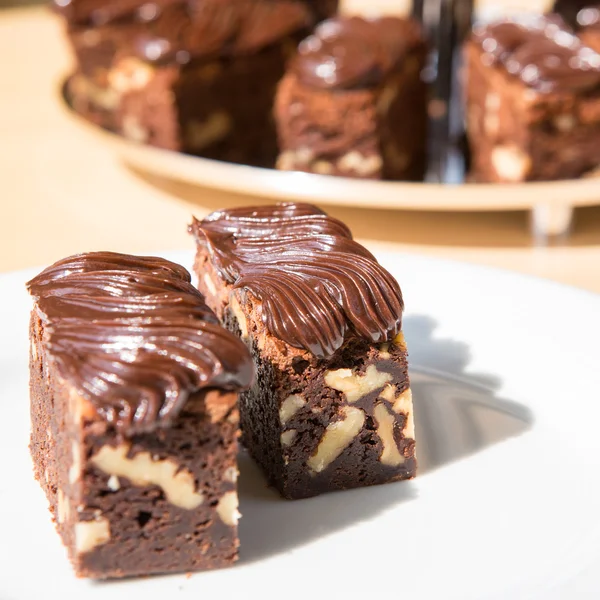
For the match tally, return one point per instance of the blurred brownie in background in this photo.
(353, 101)
(533, 101)
(196, 76)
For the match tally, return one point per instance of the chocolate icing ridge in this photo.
(317, 285)
(541, 51)
(184, 31)
(103, 12)
(354, 52)
(133, 336)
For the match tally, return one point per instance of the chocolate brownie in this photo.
(353, 101)
(197, 77)
(134, 420)
(533, 101)
(331, 407)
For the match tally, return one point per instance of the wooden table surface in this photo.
(61, 192)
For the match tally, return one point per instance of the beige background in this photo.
(61, 192)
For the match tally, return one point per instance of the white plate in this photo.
(551, 203)
(506, 382)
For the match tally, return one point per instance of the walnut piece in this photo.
(103, 97)
(400, 340)
(361, 165)
(90, 534)
(63, 508)
(355, 386)
(216, 126)
(227, 509)
(290, 406)
(113, 483)
(178, 485)
(337, 438)
(384, 351)
(75, 468)
(390, 454)
(565, 123)
(80, 408)
(131, 74)
(322, 167)
(401, 404)
(511, 163)
(288, 437)
(231, 474)
(132, 129)
(293, 159)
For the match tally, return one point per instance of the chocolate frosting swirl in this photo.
(345, 53)
(318, 287)
(185, 31)
(540, 51)
(102, 12)
(135, 337)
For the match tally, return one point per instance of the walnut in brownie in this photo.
(353, 101)
(195, 77)
(331, 407)
(533, 101)
(134, 419)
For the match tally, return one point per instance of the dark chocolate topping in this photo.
(187, 30)
(317, 285)
(102, 12)
(135, 337)
(354, 52)
(542, 52)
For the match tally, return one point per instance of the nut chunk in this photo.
(134, 419)
(331, 408)
(533, 101)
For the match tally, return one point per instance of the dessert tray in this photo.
(551, 203)
(506, 502)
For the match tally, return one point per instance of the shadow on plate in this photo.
(457, 415)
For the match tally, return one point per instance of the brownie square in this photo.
(196, 81)
(134, 416)
(331, 408)
(533, 101)
(353, 101)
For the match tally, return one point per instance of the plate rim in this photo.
(342, 191)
